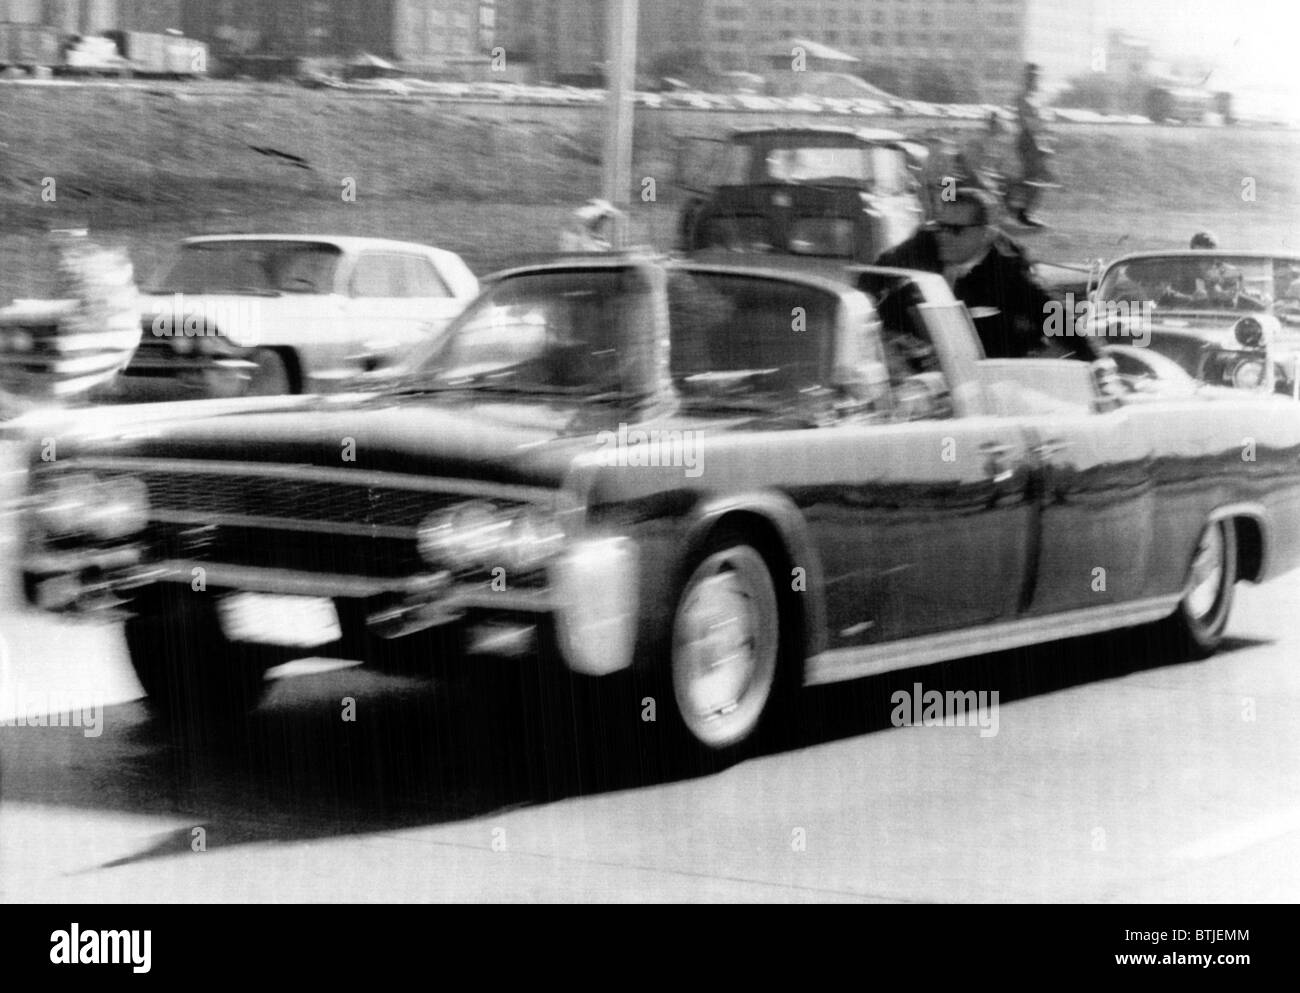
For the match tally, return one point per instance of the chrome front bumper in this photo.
(590, 593)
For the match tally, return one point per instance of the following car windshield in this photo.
(250, 267)
(1203, 282)
(846, 162)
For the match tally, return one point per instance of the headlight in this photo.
(534, 538)
(64, 503)
(17, 340)
(1248, 374)
(1249, 332)
(122, 509)
(479, 535)
(462, 537)
(79, 503)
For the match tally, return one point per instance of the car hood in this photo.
(529, 442)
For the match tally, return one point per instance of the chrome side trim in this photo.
(839, 664)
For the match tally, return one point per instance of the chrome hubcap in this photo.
(1207, 573)
(725, 646)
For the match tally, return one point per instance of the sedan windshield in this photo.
(583, 333)
(250, 267)
(1204, 282)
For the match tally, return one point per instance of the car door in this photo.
(1092, 473)
(930, 527)
(926, 528)
(396, 300)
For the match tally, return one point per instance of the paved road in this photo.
(1114, 775)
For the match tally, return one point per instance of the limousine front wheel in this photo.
(1202, 614)
(726, 646)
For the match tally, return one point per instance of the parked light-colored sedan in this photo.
(234, 315)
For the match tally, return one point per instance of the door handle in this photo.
(999, 466)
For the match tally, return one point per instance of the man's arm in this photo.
(1028, 300)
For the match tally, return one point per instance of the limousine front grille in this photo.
(295, 517)
(247, 500)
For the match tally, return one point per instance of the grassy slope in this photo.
(144, 168)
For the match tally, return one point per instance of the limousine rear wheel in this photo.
(195, 677)
(726, 646)
(1202, 614)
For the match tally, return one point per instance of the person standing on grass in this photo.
(1035, 172)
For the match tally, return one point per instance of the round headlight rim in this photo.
(446, 540)
(123, 523)
(1249, 332)
(533, 539)
(1249, 363)
(96, 510)
(55, 513)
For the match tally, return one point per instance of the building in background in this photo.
(975, 50)
(979, 46)
(90, 17)
(1066, 39)
(418, 32)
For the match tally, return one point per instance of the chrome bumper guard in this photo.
(591, 593)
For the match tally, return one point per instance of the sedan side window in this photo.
(422, 279)
(378, 276)
(396, 276)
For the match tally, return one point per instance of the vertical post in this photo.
(620, 79)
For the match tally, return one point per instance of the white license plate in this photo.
(271, 619)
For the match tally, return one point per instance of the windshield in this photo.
(837, 161)
(1204, 282)
(259, 267)
(748, 339)
(572, 332)
(735, 341)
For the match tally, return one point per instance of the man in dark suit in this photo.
(990, 274)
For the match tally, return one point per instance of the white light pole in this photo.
(621, 17)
